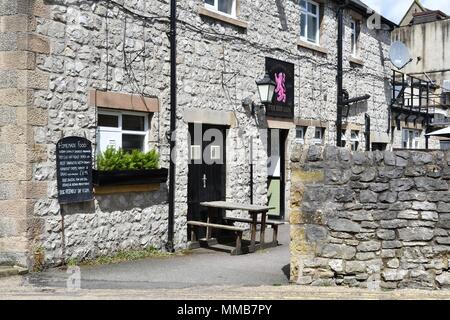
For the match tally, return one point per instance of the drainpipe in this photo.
(368, 142)
(339, 78)
(173, 114)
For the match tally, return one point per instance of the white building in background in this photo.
(426, 33)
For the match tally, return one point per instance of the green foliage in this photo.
(113, 159)
(123, 256)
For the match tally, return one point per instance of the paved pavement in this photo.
(202, 267)
(204, 275)
(15, 288)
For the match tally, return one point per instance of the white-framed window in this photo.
(300, 133)
(445, 98)
(319, 134)
(227, 7)
(309, 21)
(354, 138)
(216, 152)
(410, 138)
(354, 37)
(196, 152)
(122, 130)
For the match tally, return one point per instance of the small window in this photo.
(319, 134)
(445, 98)
(108, 120)
(215, 153)
(343, 138)
(122, 130)
(300, 134)
(133, 123)
(354, 138)
(411, 139)
(309, 21)
(354, 27)
(196, 152)
(227, 7)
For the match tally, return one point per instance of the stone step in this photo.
(8, 271)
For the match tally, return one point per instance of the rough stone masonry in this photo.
(370, 220)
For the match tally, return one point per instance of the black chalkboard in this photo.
(74, 170)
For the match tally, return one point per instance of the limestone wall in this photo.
(375, 219)
(75, 46)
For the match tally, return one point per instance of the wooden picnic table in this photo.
(252, 209)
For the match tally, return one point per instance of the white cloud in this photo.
(395, 10)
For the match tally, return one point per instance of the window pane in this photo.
(318, 133)
(133, 123)
(132, 142)
(300, 133)
(303, 25)
(312, 8)
(210, 2)
(303, 4)
(312, 28)
(226, 6)
(106, 120)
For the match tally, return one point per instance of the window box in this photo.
(129, 177)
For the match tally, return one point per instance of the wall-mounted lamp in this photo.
(266, 89)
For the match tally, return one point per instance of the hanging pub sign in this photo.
(282, 73)
(74, 170)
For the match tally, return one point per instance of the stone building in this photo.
(101, 70)
(426, 34)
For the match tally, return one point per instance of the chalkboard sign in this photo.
(74, 170)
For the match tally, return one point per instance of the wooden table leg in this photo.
(208, 220)
(253, 233)
(263, 229)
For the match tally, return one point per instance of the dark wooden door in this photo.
(206, 177)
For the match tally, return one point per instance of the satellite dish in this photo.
(399, 55)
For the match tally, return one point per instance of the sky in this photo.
(394, 10)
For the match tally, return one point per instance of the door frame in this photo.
(283, 136)
(224, 129)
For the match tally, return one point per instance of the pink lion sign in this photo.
(280, 89)
(282, 73)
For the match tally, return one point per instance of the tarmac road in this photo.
(203, 267)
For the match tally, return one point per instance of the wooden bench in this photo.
(273, 223)
(237, 230)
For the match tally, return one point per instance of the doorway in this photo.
(276, 172)
(206, 171)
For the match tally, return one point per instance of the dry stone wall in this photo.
(372, 220)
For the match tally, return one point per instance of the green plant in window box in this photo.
(120, 167)
(117, 159)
